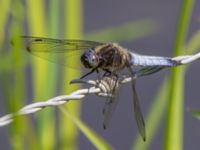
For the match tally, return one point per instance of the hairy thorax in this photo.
(114, 57)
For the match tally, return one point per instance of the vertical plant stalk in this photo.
(174, 125)
(53, 26)
(17, 85)
(42, 75)
(4, 7)
(73, 24)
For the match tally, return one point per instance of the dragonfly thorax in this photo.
(89, 59)
(112, 57)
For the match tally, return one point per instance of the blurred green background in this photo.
(167, 28)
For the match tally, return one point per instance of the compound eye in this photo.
(93, 58)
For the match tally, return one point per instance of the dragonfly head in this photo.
(89, 59)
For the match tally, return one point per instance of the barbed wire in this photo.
(101, 87)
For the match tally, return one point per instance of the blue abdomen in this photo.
(142, 60)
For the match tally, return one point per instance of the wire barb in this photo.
(99, 87)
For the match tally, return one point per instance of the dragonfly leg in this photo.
(107, 72)
(98, 76)
(90, 72)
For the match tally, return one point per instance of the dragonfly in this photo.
(109, 58)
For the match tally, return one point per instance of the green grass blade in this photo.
(125, 32)
(44, 85)
(94, 138)
(182, 27)
(194, 45)
(16, 98)
(4, 15)
(73, 23)
(174, 126)
(37, 27)
(4, 7)
(52, 79)
(54, 10)
(195, 113)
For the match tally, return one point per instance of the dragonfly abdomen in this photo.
(142, 60)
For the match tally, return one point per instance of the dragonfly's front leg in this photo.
(109, 73)
(90, 72)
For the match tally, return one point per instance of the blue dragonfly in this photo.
(109, 58)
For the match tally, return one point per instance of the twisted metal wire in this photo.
(101, 87)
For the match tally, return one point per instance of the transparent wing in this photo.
(144, 71)
(61, 51)
(111, 102)
(108, 110)
(137, 111)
